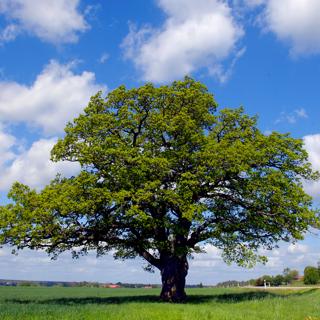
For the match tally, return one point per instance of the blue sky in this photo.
(261, 54)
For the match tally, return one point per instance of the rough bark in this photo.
(173, 276)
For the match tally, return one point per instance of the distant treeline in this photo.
(311, 275)
(287, 277)
(24, 283)
(143, 285)
(235, 283)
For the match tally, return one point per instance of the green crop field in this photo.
(20, 303)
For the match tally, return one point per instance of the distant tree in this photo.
(162, 174)
(294, 274)
(267, 279)
(290, 275)
(231, 284)
(95, 284)
(25, 284)
(286, 271)
(259, 282)
(277, 280)
(311, 275)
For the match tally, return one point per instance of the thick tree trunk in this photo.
(173, 276)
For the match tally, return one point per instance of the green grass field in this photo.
(20, 303)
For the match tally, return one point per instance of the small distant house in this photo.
(112, 286)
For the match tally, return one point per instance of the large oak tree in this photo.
(163, 173)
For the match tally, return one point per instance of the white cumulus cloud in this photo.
(197, 34)
(297, 248)
(58, 21)
(33, 166)
(292, 117)
(253, 3)
(7, 142)
(312, 146)
(296, 22)
(56, 97)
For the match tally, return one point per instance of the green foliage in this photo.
(311, 275)
(25, 284)
(259, 282)
(290, 275)
(269, 280)
(286, 278)
(163, 171)
(278, 280)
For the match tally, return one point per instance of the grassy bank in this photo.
(133, 304)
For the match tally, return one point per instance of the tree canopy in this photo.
(163, 172)
(311, 275)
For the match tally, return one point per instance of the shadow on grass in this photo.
(246, 296)
(192, 299)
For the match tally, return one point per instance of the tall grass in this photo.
(132, 304)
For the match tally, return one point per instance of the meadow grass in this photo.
(30, 303)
